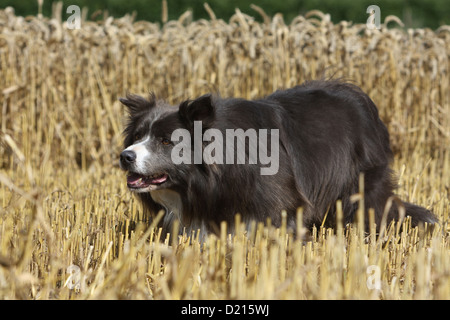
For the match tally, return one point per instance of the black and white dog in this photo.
(210, 158)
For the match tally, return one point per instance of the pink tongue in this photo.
(132, 179)
(159, 179)
(135, 180)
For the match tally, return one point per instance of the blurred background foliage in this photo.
(414, 13)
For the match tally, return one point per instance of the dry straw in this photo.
(69, 229)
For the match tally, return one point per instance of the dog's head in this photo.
(148, 139)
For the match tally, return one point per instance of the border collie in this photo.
(211, 158)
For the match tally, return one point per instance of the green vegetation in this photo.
(414, 13)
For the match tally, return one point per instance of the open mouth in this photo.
(138, 181)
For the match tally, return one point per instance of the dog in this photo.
(313, 141)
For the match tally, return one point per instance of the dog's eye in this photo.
(137, 136)
(165, 141)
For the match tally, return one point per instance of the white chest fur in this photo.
(171, 201)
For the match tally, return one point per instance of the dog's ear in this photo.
(136, 104)
(200, 109)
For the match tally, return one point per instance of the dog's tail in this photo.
(398, 209)
(419, 215)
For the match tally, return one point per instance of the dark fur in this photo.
(330, 132)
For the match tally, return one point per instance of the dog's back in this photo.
(338, 136)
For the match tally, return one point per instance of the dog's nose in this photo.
(127, 157)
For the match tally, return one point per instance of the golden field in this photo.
(70, 229)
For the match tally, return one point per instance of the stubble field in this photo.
(70, 229)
